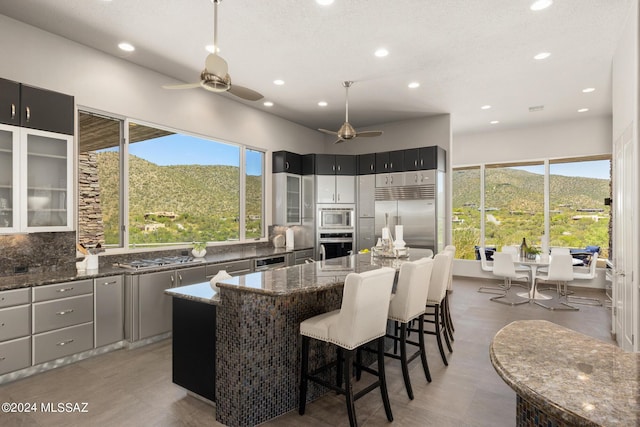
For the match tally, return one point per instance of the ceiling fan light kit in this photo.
(215, 76)
(346, 131)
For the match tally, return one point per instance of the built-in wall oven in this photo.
(336, 231)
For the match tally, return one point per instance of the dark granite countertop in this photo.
(47, 278)
(296, 279)
(575, 378)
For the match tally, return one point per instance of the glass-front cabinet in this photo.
(8, 178)
(36, 180)
(287, 199)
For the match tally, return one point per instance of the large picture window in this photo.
(178, 189)
(513, 206)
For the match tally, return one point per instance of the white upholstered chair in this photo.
(408, 304)
(435, 300)
(361, 319)
(503, 266)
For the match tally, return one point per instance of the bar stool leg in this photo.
(348, 390)
(438, 334)
(303, 375)
(339, 366)
(447, 315)
(443, 319)
(423, 348)
(383, 380)
(403, 359)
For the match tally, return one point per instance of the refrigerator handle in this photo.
(323, 253)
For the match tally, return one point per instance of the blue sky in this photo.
(179, 149)
(591, 169)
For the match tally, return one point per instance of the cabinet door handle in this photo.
(61, 290)
(63, 343)
(28, 112)
(333, 197)
(338, 168)
(286, 165)
(421, 162)
(338, 196)
(371, 166)
(391, 179)
(172, 281)
(13, 111)
(391, 165)
(416, 178)
(180, 278)
(386, 165)
(63, 312)
(415, 162)
(386, 179)
(333, 167)
(113, 282)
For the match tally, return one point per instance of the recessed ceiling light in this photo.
(535, 108)
(268, 104)
(540, 4)
(542, 55)
(127, 47)
(210, 48)
(278, 82)
(413, 85)
(494, 122)
(583, 110)
(588, 89)
(322, 103)
(485, 107)
(381, 53)
(324, 2)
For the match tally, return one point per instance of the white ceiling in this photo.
(464, 53)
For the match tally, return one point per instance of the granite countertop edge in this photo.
(28, 280)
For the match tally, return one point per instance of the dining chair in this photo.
(514, 250)
(560, 250)
(591, 274)
(484, 265)
(561, 272)
(504, 267)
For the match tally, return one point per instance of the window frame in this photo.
(123, 191)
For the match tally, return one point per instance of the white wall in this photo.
(575, 138)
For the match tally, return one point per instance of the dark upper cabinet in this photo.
(286, 161)
(412, 159)
(308, 164)
(366, 164)
(9, 102)
(390, 161)
(46, 110)
(329, 164)
(433, 157)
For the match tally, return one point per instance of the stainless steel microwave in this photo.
(336, 218)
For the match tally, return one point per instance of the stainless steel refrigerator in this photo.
(418, 208)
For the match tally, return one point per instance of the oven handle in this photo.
(337, 240)
(323, 253)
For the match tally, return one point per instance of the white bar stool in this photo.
(407, 305)
(361, 319)
(435, 300)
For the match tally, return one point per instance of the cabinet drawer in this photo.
(63, 342)
(61, 313)
(62, 290)
(303, 254)
(15, 355)
(243, 266)
(14, 297)
(15, 322)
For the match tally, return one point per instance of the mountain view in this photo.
(514, 205)
(181, 203)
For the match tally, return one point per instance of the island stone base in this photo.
(530, 415)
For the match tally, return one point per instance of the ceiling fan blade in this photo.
(339, 141)
(368, 133)
(216, 65)
(182, 86)
(329, 132)
(245, 93)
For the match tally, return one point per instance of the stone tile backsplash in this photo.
(39, 252)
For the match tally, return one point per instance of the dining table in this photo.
(533, 264)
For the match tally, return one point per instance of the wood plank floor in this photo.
(134, 388)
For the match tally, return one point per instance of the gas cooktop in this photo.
(157, 262)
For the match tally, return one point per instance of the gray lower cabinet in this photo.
(231, 267)
(15, 330)
(153, 305)
(15, 354)
(62, 290)
(62, 312)
(108, 325)
(62, 342)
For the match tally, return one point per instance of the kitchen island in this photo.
(564, 378)
(257, 332)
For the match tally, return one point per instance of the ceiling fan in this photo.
(346, 131)
(215, 76)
